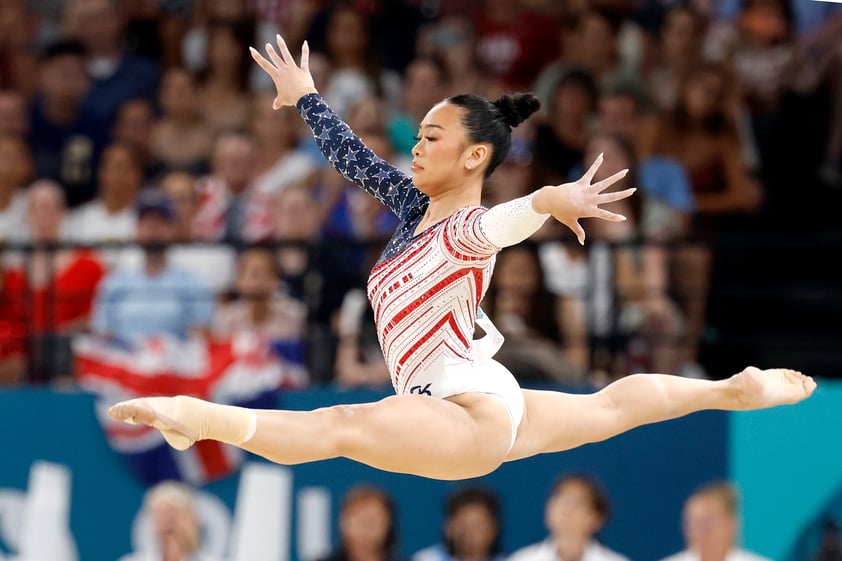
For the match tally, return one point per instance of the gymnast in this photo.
(457, 412)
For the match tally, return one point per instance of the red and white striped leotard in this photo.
(425, 290)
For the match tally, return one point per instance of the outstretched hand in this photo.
(571, 201)
(292, 81)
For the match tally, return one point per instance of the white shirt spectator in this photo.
(213, 264)
(292, 168)
(92, 223)
(736, 554)
(13, 219)
(546, 551)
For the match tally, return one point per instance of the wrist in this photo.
(541, 200)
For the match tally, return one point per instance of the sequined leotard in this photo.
(425, 290)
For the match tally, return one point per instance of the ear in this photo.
(477, 155)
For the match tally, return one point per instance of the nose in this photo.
(416, 150)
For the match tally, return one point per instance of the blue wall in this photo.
(647, 472)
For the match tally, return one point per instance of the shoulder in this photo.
(685, 555)
(599, 552)
(533, 552)
(431, 553)
(746, 555)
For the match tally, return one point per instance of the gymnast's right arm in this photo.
(342, 148)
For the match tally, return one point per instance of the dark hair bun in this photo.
(515, 108)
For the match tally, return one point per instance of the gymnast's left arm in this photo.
(514, 221)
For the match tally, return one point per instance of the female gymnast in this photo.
(457, 413)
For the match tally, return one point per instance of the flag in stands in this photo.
(241, 371)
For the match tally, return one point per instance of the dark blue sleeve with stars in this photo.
(356, 162)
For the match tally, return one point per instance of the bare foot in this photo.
(758, 389)
(157, 412)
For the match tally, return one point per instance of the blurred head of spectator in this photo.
(178, 96)
(99, 25)
(155, 227)
(704, 100)
(228, 58)
(681, 36)
(575, 98)
(575, 512)
(175, 524)
(597, 33)
(367, 115)
(13, 115)
(276, 131)
(234, 159)
(453, 41)
(348, 38)
(16, 167)
(120, 176)
(180, 138)
(46, 211)
(423, 86)
(180, 188)
(64, 80)
(133, 126)
(472, 527)
(622, 109)
(257, 275)
(766, 22)
(297, 215)
(711, 522)
(618, 153)
(367, 525)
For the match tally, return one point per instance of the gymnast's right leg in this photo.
(456, 438)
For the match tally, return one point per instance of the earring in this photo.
(470, 166)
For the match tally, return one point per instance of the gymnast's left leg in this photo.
(556, 421)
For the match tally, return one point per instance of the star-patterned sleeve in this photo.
(354, 160)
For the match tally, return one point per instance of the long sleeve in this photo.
(512, 222)
(354, 160)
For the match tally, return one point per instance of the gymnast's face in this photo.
(442, 155)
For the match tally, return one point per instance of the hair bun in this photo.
(515, 108)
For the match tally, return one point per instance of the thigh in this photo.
(557, 421)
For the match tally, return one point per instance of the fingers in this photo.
(276, 58)
(608, 181)
(305, 57)
(261, 61)
(578, 230)
(592, 170)
(282, 45)
(616, 195)
(608, 215)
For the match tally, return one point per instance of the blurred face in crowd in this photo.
(15, 163)
(99, 26)
(571, 512)
(364, 525)
(154, 228)
(256, 274)
(228, 10)
(133, 124)
(472, 531)
(422, 86)
(703, 94)
(517, 270)
(597, 41)
(172, 520)
(64, 79)
(224, 51)
(615, 158)
(273, 127)
(180, 188)
(120, 175)
(347, 35)
(709, 528)
(296, 214)
(45, 211)
(618, 114)
(233, 160)
(13, 116)
(680, 35)
(177, 94)
(572, 101)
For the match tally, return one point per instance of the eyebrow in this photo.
(431, 126)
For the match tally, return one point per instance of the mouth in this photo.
(415, 167)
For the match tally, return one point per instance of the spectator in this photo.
(367, 526)
(453, 40)
(230, 207)
(359, 358)
(560, 142)
(176, 530)
(15, 171)
(711, 526)
(214, 264)
(13, 116)
(65, 136)
(514, 42)
(133, 126)
(180, 138)
(282, 160)
(262, 308)
(472, 529)
(527, 315)
(118, 75)
(422, 86)
(111, 216)
(575, 512)
(224, 80)
(159, 298)
(55, 287)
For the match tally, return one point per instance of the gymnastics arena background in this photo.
(785, 460)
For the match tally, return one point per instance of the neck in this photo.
(717, 554)
(61, 112)
(155, 263)
(446, 203)
(115, 200)
(570, 548)
(259, 309)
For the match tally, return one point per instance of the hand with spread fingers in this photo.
(292, 81)
(569, 202)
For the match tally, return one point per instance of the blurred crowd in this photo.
(148, 188)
